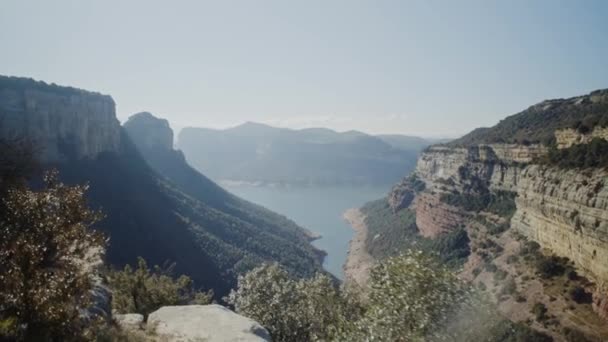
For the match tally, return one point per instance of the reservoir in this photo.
(318, 209)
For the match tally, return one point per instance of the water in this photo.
(317, 209)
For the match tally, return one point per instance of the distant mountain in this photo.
(254, 152)
(156, 206)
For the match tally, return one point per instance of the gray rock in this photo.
(129, 321)
(204, 322)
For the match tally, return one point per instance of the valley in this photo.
(319, 209)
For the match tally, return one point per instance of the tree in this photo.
(293, 310)
(46, 251)
(411, 296)
(143, 291)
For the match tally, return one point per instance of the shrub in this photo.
(574, 335)
(293, 310)
(490, 267)
(549, 267)
(143, 291)
(500, 275)
(509, 288)
(579, 295)
(540, 311)
(46, 249)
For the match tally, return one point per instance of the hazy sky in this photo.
(412, 67)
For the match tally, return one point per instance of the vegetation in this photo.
(581, 156)
(412, 297)
(392, 233)
(501, 203)
(46, 255)
(291, 309)
(550, 266)
(538, 123)
(580, 295)
(540, 311)
(143, 291)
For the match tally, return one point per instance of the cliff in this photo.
(156, 206)
(62, 122)
(509, 186)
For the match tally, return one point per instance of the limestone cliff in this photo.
(148, 131)
(63, 122)
(567, 212)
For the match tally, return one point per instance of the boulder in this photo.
(204, 322)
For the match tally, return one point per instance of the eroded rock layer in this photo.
(62, 122)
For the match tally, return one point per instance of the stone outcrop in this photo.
(401, 196)
(434, 217)
(213, 323)
(567, 212)
(455, 169)
(565, 138)
(62, 122)
(148, 131)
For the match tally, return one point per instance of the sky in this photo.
(427, 68)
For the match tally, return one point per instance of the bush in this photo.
(144, 291)
(500, 275)
(509, 288)
(540, 311)
(46, 252)
(579, 295)
(294, 310)
(591, 155)
(549, 267)
(574, 335)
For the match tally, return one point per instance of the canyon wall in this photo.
(565, 211)
(568, 137)
(63, 122)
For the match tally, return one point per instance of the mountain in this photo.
(405, 142)
(156, 206)
(519, 209)
(538, 123)
(254, 152)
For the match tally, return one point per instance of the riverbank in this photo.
(358, 261)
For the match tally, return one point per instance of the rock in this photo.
(401, 196)
(62, 122)
(129, 321)
(568, 137)
(567, 212)
(204, 322)
(148, 131)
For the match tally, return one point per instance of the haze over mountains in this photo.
(156, 206)
(258, 153)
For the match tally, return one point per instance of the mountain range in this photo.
(254, 152)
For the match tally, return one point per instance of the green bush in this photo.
(551, 266)
(591, 155)
(294, 310)
(574, 335)
(143, 291)
(540, 311)
(47, 251)
(579, 295)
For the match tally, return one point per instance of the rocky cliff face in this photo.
(454, 169)
(567, 212)
(63, 122)
(568, 137)
(148, 131)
